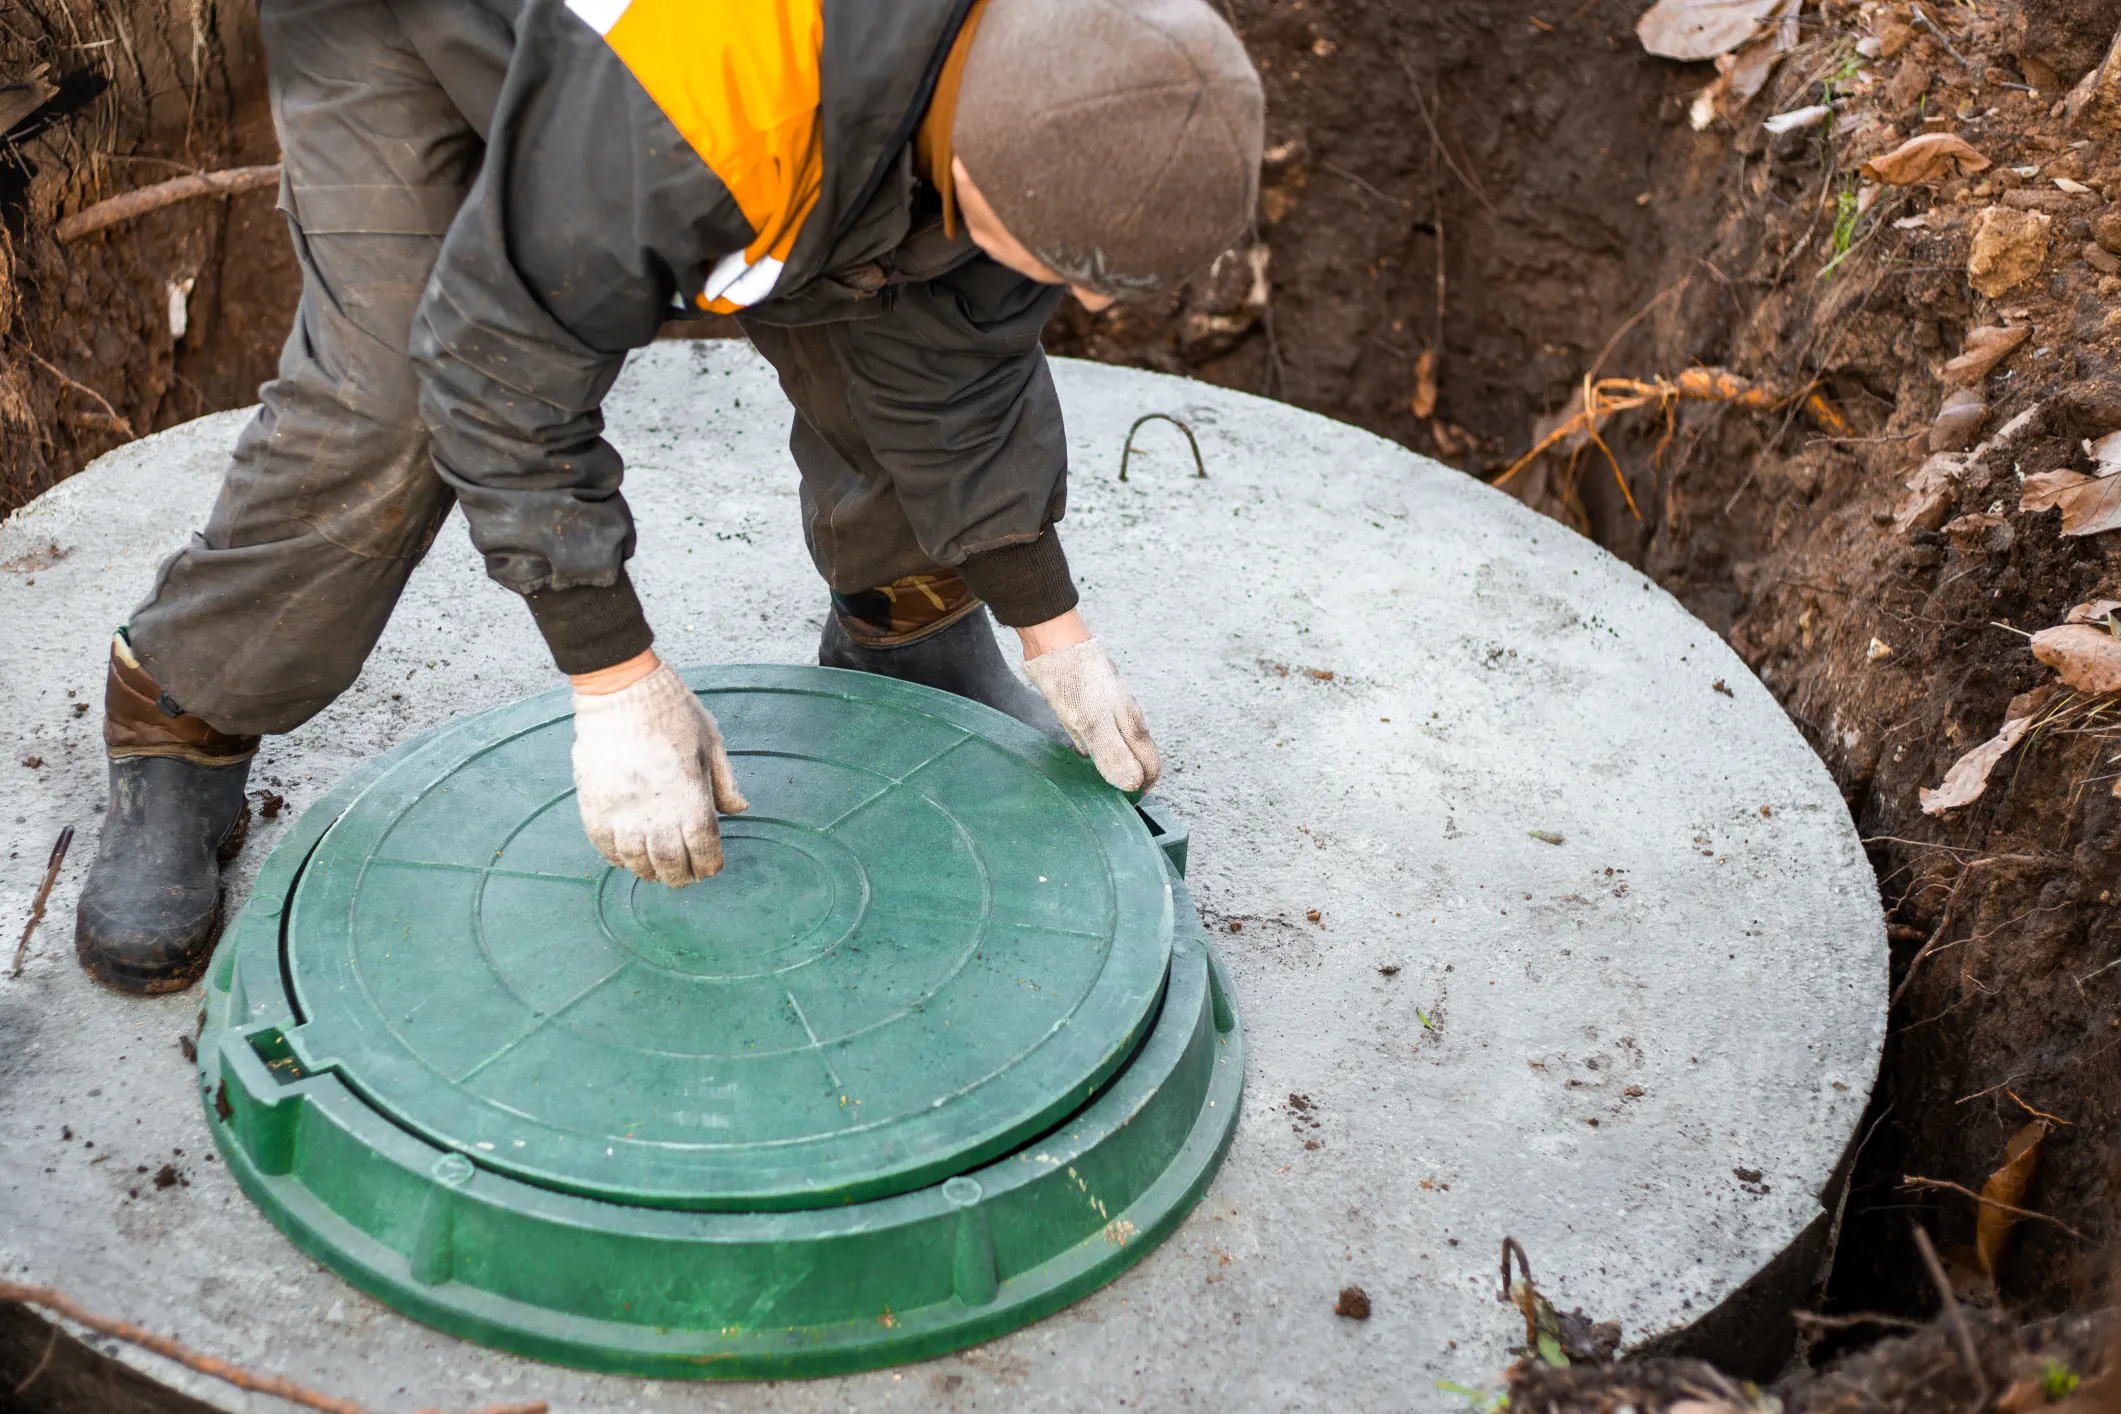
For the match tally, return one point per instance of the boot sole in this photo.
(179, 974)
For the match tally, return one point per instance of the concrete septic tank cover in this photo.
(877, 1063)
(1372, 679)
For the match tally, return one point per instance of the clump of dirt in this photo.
(154, 322)
(2017, 1368)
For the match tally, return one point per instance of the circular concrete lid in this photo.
(936, 935)
(1453, 1038)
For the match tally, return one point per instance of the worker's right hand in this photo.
(650, 774)
(1085, 691)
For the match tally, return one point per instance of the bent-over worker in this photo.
(492, 201)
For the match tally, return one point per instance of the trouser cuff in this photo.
(140, 719)
(905, 610)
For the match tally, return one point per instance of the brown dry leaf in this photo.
(2043, 490)
(1963, 784)
(1424, 400)
(2091, 505)
(1959, 421)
(1702, 29)
(2106, 454)
(2086, 658)
(1928, 157)
(1983, 349)
(2008, 1184)
(1930, 493)
(1741, 75)
(1746, 72)
(1968, 529)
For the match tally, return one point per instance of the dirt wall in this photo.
(139, 91)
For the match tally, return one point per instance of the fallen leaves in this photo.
(1968, 777)
(1969, 530)
(1959, 420)
(1982, 350)
(1931, 491)
(1744, 72)
(1929, 157)
(1553, 1337)
(2009, 248)
(2083, 650)
(2007, 1187)
(1702, 29)
(2090, 505)
(1423, 402)
(2105, 454)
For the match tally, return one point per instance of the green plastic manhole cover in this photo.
(940, 1049)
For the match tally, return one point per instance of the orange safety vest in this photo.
(738, 79)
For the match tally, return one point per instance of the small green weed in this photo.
(2057, 1381)
(1476, 1401)
(1846, 215)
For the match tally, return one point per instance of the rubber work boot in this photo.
(151, 907)
(961, 657)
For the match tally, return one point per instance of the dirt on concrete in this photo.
(1473, 212)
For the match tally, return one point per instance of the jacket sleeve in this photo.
(951, 390)
(591, 221)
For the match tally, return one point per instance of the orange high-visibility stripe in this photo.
(738, 79)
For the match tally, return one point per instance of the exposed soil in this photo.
(2020, 1366)
(1776, 525)
(1470, 209)
(143, 93)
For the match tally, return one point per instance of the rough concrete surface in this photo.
(1372, 680)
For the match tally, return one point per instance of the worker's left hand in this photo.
(1085, 691)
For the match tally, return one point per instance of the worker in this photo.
(493, 201)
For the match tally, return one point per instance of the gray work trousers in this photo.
(330, 499)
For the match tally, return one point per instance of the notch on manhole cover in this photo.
(941, 1049)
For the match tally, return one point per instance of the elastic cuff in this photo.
(1023, 584)
(590, 628)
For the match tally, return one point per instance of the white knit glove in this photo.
(649, 774)
(1085, 692)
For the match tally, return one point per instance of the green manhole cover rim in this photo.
(344, 1027)
(555, 1275)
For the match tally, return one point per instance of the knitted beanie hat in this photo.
(1119, 140)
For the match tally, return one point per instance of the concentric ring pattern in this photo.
(936, 934)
